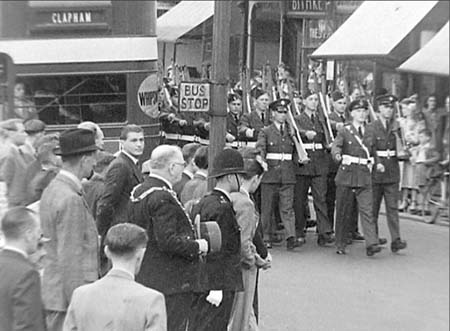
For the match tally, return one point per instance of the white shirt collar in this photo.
(17, 250)
(243, 190)
(202, 173)
(224, 192)
(71, 176)
(135, 160)
(188, 173)
(161, 178)
(123, 270)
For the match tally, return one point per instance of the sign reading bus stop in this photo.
(194, 96)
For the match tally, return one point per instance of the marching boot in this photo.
(397, 245)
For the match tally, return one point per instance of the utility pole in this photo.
(219, 80)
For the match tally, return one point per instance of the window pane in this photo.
(72, 99)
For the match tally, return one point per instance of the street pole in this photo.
(219, 80)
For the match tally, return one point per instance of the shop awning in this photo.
(433, 58)
(80, 50)
(374, 29)
(182, 18)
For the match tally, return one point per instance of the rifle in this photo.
(400, 142)
(372, 115)
(268, 84)
(295, 132)
(326, 120)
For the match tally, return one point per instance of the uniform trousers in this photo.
(345, 204)
(286, 202)
(178, 307)
(207, 317)
(390, 193)
(318, 186)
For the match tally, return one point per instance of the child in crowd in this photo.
(425, 157)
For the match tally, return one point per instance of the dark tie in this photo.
(282, 130)
(342, 118)
(313, 119)
(360, 131)
(262, 118)
(236, 118)
(387, 124)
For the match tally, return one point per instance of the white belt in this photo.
(348, 159)
(279, 156)
(387, 153)
(313, 146)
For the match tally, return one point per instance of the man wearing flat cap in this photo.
(253, 122)
(72, 253)
(275, 147)
(380, 137)
(35, 130)
(353, 180)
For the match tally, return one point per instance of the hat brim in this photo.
(231, 171)
(87, 149)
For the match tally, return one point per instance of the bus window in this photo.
(73, 99)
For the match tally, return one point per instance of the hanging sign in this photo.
(194, 96)
(147, 96)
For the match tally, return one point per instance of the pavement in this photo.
(314, 289)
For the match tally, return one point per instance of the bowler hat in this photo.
(358, 104)
(228, 161)
(76, 141)
(280, 103)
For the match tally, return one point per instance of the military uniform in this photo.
(382, 142)
(313, 174)
(221, 270)
(233, 121)
(253, 121)
(353, 181)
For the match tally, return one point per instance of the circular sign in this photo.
(147, 96)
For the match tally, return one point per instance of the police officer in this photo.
(353, 180)
(313, 174)
(337, 120)
(380, 137)
(233, 116)
(252, 123)
(275, 147)
(222, 275)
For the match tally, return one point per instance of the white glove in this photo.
(380, 167)
(229, 137)
(269, 257)
(249, 133)
(215, 298)
(202, 245)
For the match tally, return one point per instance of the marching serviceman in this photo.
(353, 180)
(275, 147)
(253, 122)
(233, 116)
(337, 120)
(313, 174)
(221, 277)
(381, 140)
(170, 263)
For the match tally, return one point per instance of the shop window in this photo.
(72, 99)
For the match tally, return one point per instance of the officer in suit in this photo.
(122, 175)
(170, 264)
(275, 147)
(117, 299)
(337, 120)
(221, 276)
(353, 180)
(233, 116)
(21, 305)
(313, 174)
(72, 252)
(381, 140)
(253, 122)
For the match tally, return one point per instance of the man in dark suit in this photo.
(121, 177)
(72, 253)
(275, 147)
(381, 140)
(190, 169)
(313, 174)
(197, 187)
(170, 264)
(21, 305)
(221, 276)
(117, 300)
(353, 180)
